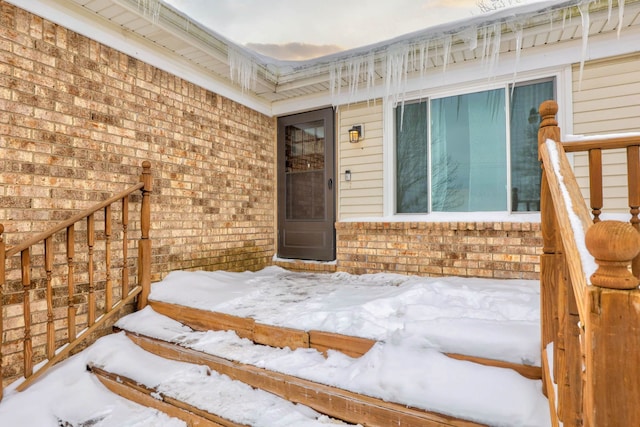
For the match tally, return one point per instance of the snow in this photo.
(414, 319)
(480, 317)
(589, 265)
(84, 399)
(580, 138)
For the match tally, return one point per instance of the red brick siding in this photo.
(77, 120)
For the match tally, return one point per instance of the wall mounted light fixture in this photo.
(356, 133)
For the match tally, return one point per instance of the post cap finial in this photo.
(613, 244)
(548, 110)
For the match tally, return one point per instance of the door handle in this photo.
(330, 183)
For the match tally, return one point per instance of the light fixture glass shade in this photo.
(354, 134)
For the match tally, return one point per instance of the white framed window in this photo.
(471, 152)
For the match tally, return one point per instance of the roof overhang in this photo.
(506, 41)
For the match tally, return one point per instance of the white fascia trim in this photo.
(75, 18)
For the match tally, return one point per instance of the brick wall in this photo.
(470, 249)
(77, 120)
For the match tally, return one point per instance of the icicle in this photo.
(584, 13)
(150, 8)
(609, 12)
(620, 15)
(447, 50)
(485, 44)
(470, 37)
(332, 81)
(396, 72)
(518, 29)
(371, 70)
(354, 73)
(242, 68)
(336, 78)
(424, 57)
(491, 48)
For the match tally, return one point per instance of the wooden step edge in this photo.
(277, 336)
(130, 390)
(205, 320)
(349, 345)
(527, 371)
(331, 401)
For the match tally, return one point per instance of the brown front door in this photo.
(306, 201)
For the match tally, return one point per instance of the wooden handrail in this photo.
(563, 208)
(566, 230)
(589, 314)
(601, 143)
(72, 220)
(94, 322)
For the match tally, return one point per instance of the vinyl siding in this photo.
(363, 195)
(607, 100)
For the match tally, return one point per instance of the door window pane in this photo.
(412, 185)
(468, 152)
(304, 173)
(525, 167)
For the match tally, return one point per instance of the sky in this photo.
(302, 29)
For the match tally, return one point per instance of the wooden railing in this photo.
(67, 230)
(590, 302)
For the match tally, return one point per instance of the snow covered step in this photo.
(333, 402)
(494, 319)
(192, 392)
(150, 398)
(426, 386)
(260, 333)
(277, 336)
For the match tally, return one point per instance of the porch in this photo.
(589, 343)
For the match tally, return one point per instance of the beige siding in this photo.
(605, 101)
(362, 196)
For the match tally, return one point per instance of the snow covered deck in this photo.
(480, 317)
(413, 319)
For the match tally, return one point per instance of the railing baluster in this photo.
(125, 242)
(26, 299)
(108, 299)
(144, 245)
(91, 231)
(48, 267)
(633, 183)
(71, 326)
(3, 260)
(112, 309)
(595, 182)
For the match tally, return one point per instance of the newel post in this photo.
(2, 281)
(612, 331)
(144, 246)
(551, 259)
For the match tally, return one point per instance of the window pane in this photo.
(468, 150)
(412, 183)
(525, 168)
(304, 174)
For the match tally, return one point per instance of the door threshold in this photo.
(306, 265)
